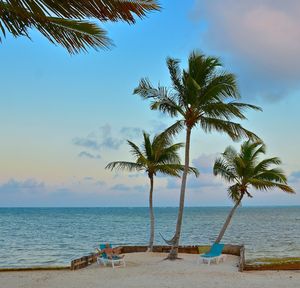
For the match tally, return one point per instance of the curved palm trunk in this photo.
(222, 232)
(174, 249)
(151, 240)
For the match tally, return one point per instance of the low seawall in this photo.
(228, 249)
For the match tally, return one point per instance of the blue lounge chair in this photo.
(104, 259)
(214, 254)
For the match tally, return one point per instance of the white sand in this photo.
(150, 270)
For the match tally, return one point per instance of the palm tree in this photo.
(200, 96)
(156, 156)
(245, 170)
(62, 22)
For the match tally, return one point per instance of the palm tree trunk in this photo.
(222, 232)
(151, 240)
(174, 249)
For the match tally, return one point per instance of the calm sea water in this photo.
(54, 236)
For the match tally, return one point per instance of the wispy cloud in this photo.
(97, 140)
(87, 142)
(13, 186)
(89, 155)
(131, 132)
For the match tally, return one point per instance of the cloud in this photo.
(295, 175)
(123, 187)
(206, 180)
(203, 181)
(88, 178)
(131, 132)
(204, 163)
(96, 141)
(29, 186)
(261, 39)
(87, 143)
(158, 126)
(88, 155)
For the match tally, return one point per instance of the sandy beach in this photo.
(150, 270)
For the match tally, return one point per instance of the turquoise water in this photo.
(54, 236)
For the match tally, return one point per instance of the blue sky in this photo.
(65, 117)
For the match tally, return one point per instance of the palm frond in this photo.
(62, 22)
(202, 68)
(135, 150)
(226, 111)
(224, 169)
(234, 192)
(147, 147)
(174, 129)
(176, 169)
(274, 174)
(146, 90)
(175, 73)
(218, 88)
(264, 164)
(266, 185)
(123, 165)
(234, 130)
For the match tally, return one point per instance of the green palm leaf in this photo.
(62, 22)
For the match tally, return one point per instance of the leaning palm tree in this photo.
(63, 22)
(244, 170)
(200, 96)
(156, 156)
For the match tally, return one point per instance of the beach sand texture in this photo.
(150, 270)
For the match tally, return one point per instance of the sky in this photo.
(64, 117)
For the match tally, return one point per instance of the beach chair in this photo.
(115, 261)
(214, 254)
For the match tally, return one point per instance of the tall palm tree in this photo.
(62, 22)
(200, 96)
(156, 156)
(244, 170)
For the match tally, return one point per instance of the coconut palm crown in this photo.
(245, 170)
(204, 95)
(157, 156)
(64, 22)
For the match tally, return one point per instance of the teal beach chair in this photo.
(114, 259)
(214, 254)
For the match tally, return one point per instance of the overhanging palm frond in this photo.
(62, 22)
(74, 35)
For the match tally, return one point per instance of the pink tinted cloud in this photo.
(262, 37)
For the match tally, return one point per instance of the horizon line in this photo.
(209, 206)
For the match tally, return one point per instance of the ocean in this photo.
(54, 236)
